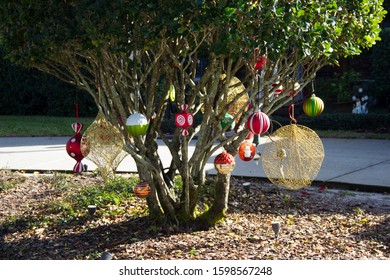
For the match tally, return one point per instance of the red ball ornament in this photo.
(261, 61)
(73, 147)
(258, 123)
(247, 151)
(224, 163)
(184, 119)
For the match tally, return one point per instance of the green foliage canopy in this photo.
(34, 30)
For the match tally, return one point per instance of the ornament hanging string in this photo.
(291, 114)
(313, 84)
(77, 111)
(77, 107)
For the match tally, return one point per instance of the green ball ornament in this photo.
(313, 106)
(137, 124)
(226, 120)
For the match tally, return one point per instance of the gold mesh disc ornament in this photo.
(235, 88)
(102, 143)
(292, 157)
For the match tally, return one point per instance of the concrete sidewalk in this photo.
(349, 161)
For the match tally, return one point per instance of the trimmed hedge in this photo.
(346, 121)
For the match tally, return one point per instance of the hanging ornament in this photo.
(293, 156)
(142, 190)
(102, 143)
(296, 90)
(228, 119)
(73, 147)
(261, 61)
(137, 124)
(224, 163)
(278, 89)
(184, 119)
(313, 106)
(247, 151)
(236, 90)
(258, 123)
(172, 93)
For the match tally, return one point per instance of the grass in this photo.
(25, 126)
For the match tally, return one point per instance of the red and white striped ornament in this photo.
(184, 119)
(76, 126)
(258, 123)
(73, 147)
(278, 89)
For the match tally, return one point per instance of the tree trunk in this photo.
(217, 211)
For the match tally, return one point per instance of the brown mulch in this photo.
(316, 223)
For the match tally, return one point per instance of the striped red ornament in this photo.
(313, 106)
(79, 167)
(73, 147)
(76, 126)
(258, 123)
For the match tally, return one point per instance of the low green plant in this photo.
(113, 192)
(193, 252)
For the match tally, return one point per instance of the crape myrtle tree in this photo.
(126, 54)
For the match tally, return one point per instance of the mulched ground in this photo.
(316, 223)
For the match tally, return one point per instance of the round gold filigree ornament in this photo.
(235, 88)
(292, 157)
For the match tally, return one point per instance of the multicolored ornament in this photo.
(224, 163)
(258, 123)
(137, 124)
(247, 151)
(313, 106)
(184, 119)
(142, 190)
(228, 119)
(73, 147)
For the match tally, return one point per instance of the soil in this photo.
(315, 223)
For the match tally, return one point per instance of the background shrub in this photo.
(347, 121)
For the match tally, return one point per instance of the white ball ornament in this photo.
(137, 124)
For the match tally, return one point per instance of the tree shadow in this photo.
(84, 245)
(379, 232)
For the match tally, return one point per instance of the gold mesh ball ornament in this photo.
(102, 143)
(292, 157)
